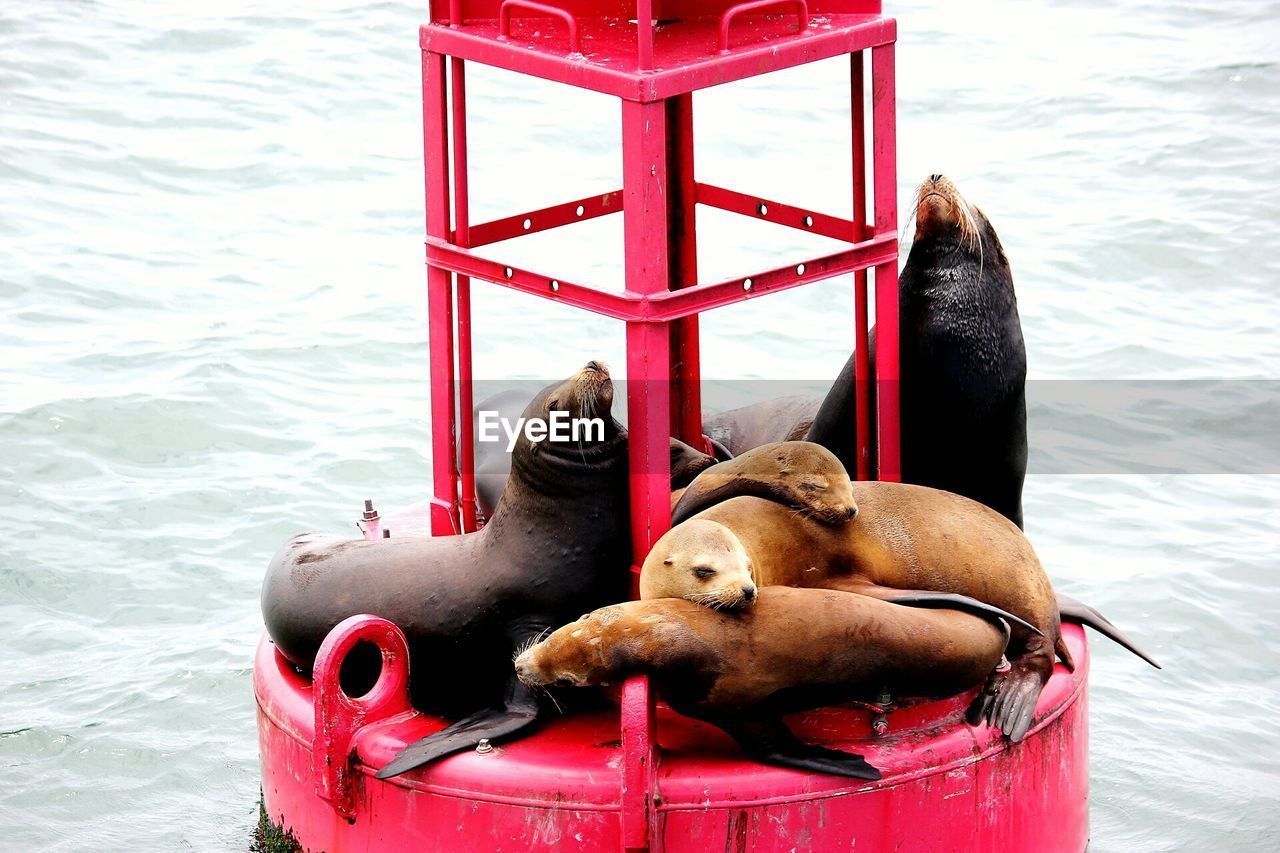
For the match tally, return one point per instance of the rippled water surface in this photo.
(214, 336)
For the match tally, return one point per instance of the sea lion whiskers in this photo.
(966, 218)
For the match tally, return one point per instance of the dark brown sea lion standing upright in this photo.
(557, 544)
(794, 649)
(963, 361)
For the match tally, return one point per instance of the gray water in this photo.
(214, 336)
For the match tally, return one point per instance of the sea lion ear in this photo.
(668, 562)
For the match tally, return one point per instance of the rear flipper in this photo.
(1071, 610)
(1008, 701)
(769, 741)
(518, 714)
(949, 601)
(491, 724)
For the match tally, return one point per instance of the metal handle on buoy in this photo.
(340, 717)
(504, 18)
(726, 20)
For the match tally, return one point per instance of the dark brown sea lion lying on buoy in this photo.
(781, 419)
(558, 544)
(904, 541)
(963, 361)
(792, 650)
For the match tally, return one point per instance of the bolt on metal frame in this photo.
(697, 44)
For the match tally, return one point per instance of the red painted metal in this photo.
(861, 328)
(338, 717)
(565, 213)
(879, 250)
(685, 55)
(885, 157)
(504, 18)
(462, 236)
(682, 265)
(594, 781)
(726, 20)
(946, 785)
(444, 515)
(779, 213)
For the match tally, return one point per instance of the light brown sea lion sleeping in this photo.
(794, 649)
(904, 540)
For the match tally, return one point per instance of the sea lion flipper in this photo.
(490, 724)
(950, 601)
(769, 741)
(519, 712)
(1071, 610)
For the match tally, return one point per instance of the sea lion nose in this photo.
(597, 366)
(935, 178)
(749, 594)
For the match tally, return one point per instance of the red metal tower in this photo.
(654, 68)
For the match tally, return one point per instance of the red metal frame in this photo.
(700, 44)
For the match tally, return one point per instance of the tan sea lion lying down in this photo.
(794, 649)
(902, 541)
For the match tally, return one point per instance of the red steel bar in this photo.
(665, 306)
(861, 336)
(778, 213)
(578, 210)
(644, 34)
(439, 298)
(880, 249)
(645, 178)
(461, 219)
(686, 392)
(884, 148)
(726, 20)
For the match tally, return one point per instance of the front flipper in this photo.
(769, 741)
(517, 715)
(1008, 701)
(952, 601)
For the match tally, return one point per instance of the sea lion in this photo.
(796, 474)
(904, 541)
(493, 460)
(557, 545)
(963, 362)
(794, 649)
(781, 419)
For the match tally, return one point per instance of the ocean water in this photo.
(214, 329)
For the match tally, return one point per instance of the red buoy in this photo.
(643, 777)
(946, 785)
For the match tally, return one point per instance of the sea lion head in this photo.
(687, 463)
(573, 656)
(800, 475)
(701, 561)
(813, 477)
(582, 405)
(943, 215)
